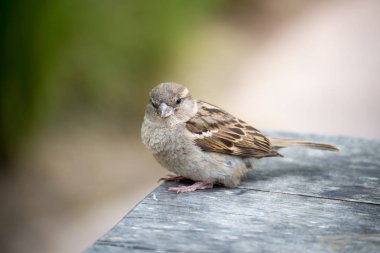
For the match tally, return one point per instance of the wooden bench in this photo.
(308, 201)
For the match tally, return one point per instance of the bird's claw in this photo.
(191, 188)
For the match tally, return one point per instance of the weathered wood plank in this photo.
(223, 220)
(351, 174)
(309, 201)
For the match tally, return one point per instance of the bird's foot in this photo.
(171, 178)
(191, 188)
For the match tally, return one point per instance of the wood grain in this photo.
(308, 201)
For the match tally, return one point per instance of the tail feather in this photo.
(283, 143)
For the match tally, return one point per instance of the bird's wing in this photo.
(215, 130)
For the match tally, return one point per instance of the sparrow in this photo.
(199, 141)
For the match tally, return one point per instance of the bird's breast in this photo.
(162, 140)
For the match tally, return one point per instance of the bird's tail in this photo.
(283, 143)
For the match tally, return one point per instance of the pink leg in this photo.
(171, 178)
(191, 188)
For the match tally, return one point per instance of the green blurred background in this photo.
(67, 59)
(75, 77)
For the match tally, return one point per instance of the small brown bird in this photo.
(201, 142)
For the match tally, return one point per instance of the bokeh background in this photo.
(75, 77)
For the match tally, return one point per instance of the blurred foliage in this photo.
(63, 58)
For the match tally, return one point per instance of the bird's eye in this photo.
(179, 101)
(153, 104)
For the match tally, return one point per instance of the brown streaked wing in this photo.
(218, 131)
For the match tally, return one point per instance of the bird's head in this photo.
(171, 103)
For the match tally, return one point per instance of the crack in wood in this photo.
(311, 196)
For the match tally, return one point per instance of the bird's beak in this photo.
(165, 110)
